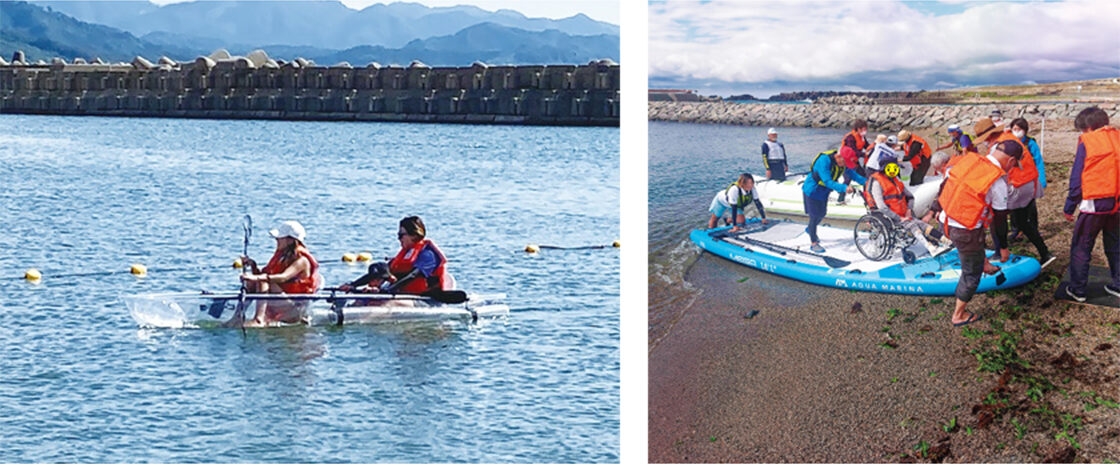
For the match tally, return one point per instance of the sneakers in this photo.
(1079, 299)
(1112, 290)
(817, 248)
(1046, 259)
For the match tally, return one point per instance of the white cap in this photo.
(954, 128)
(291, 229)
(892, 140)
(772, 131)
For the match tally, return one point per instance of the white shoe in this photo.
(1079, 299)
(1112, 290)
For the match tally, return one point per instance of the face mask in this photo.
(1018, 134)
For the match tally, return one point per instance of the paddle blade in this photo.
(449, 296)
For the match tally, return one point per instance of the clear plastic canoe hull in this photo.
(197, 309)
(786, 198)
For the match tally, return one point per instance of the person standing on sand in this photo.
(774, 156)
(917, 151)
(1094, 192)
(736, 197)
(825, 170)
(975, 187)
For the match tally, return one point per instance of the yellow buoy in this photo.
(33, 275)
(531, 248)
(365, 256)
(616, 244)
(348, 257)
(237, 264)
(138, 270)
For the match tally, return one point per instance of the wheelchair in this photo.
(878, 238)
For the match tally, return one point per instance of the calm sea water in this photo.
(82, 382)
(688, 164)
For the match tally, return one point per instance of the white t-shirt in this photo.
(996, 198)
(729, 196)
(874, 160)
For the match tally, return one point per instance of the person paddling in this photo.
(292, 269)
(419, 267)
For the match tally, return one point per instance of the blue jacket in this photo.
(1036, 153)
(823, 168)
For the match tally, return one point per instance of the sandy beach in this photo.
(828, 375)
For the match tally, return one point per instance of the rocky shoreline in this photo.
(891, 117)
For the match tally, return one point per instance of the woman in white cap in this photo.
(292, 269)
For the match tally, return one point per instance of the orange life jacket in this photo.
(924, 154)
(861, 142)
(1026, 172)
(963, 197)
(306, 284)
(1100, 176)
(894, 194)
(403, 263)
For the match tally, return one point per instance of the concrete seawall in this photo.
(258, 87)
(879, 117)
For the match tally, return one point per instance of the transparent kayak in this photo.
(204, 309)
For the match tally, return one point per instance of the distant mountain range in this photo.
(324, 24)
(44, 32)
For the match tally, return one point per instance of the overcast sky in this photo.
(724, 47)
(601, 10)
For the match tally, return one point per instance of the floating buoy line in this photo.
(138, 270)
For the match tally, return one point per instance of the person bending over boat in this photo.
(960, 141)
(736, 197)
(886, 195)
(826, 169)
(292, 269)
(774, 156)
(883, 153)
(974, 193)
(918, 152)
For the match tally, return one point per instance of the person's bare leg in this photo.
(259, 319)
(959, 314)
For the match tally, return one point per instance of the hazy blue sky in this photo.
(724, 47)
(602, 10)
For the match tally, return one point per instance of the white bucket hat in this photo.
(291, 229)
(772, 131)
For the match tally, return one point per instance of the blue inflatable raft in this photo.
(782, 248)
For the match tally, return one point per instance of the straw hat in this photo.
(982, 127)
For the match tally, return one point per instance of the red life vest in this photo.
(1100, 177)
(924, 154)
(964, 195)
(894, 194)
(403, 263)
(304, 284)
(1026, 172)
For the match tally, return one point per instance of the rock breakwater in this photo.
(879, 117)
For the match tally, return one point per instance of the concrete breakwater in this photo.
(259, 87)
(891, 117)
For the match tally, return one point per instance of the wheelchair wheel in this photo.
(873, 237)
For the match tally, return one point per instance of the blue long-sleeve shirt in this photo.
(823, 170)
(1036, 153)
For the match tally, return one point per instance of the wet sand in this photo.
(808, 379)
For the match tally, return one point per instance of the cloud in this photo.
(885, 44)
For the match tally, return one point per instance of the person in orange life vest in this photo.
(974, 193)
(420, 267)
(1023, 177)
(1094, 192)
(292, 269)
(918, 152)
(887, 196)
(856, 140)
